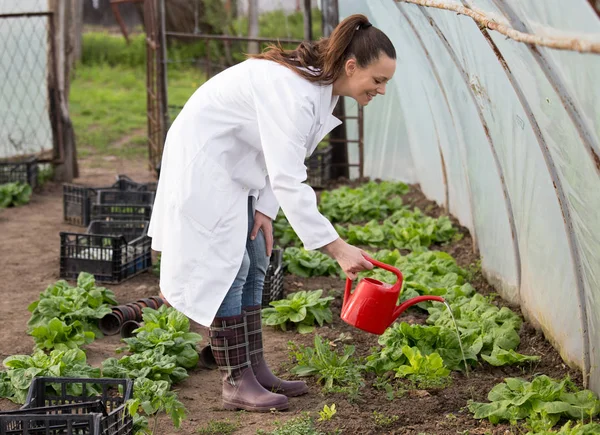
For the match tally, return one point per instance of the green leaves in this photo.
(479, 321)
(161, 351)
(388, 223)
(21, 369)
(569, 429)
(152, 397)
(425, 371)
(152, 364)
(369, 201)
(305, 263)
(337, 373)
(405, 229)
(14, 194)
(516, 399)
(427, 340)
(58, 335)
(302, 309)
(168, 330)
(76, 308)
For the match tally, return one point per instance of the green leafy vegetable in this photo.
(21, 369)
(14, 194)
(427, 339)
(425, 371)
(405, 229)
(479, 321)
(58, 335)
(302, 308)
(369, 201)
(168, 330)
(151, 398)
(85, 303)
(284, 233)
(152, 364)
(516, 399)
(568, 429)
(305, 263)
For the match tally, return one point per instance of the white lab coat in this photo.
(246, 131)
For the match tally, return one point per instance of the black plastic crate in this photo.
(78, 200)
(128, 197)
(77, 203)
(103, 398)
(125, 183)
(122, 212)
(73, 418)
(318, 167)
(273, 287)
(40, 423)
(112, 251)
(25, 171)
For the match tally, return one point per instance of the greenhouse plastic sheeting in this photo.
(506, 137)
(24, 120)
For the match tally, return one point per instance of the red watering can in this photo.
(372, 305)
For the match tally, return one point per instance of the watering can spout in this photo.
(414, 301)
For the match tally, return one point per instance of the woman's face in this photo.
(364, 84)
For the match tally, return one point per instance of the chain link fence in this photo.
(28, 85)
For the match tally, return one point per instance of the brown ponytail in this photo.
(353, 37)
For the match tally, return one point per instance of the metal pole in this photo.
(308, 36)
(339, 146)
(163, 68)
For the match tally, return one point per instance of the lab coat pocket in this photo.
(206, 193)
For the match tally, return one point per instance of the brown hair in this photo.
(354, 37)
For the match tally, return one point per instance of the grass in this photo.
(108, 107)
(214, 427)
(108, 91)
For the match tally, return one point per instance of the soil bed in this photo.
(30, 261)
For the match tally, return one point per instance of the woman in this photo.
(232, 157)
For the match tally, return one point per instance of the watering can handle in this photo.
(387, 267)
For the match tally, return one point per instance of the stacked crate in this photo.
(116, 245)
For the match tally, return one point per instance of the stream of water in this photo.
(459, 340)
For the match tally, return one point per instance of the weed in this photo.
(327, 413)
(302, 425)
(219, 428)
(392, 390)
(382, 420)
(338, 373)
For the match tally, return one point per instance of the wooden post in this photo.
(63, 39)
(253, 47)
(339, 152)
(308, 36)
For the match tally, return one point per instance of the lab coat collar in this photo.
(327, 103)
(327, 121)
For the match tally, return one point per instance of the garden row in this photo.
(419, 356)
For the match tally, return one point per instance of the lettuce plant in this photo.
(302, 309)
(516, 399)
(168, 330)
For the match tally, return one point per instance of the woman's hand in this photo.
(262, 221)
(350, 258)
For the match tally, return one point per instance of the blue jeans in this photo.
(247, 288)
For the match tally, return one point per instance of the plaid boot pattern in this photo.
(241, 390)
(261, 370)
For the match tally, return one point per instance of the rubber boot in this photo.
(263, 374)
(241, 390)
